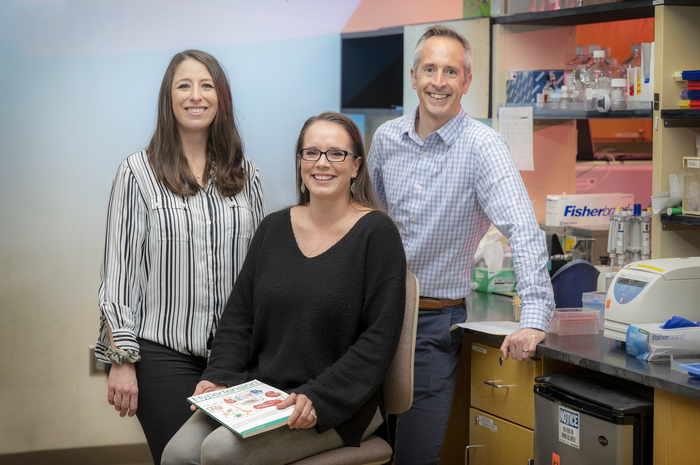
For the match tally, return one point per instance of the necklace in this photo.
(306, 230)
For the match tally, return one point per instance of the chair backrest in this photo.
(398, 383)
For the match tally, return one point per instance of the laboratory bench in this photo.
(509, 412)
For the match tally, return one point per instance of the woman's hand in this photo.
(203, 387)
(304, 414)
(123, 389)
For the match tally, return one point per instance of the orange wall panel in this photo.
(377, 14)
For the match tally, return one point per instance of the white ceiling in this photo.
(102, 27)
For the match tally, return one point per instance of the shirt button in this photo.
(417, 186)
(209, 253)
(406, 249)
(211, 283)
(208, 222)
(184, 205)
(413, 220)
(423, 154)
(211, 314)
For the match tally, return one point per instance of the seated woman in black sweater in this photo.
(316, 311)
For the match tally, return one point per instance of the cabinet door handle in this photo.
(466, 453)
(493, 382)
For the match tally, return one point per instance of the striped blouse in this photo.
(170, 261)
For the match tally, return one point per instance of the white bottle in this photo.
(618, 94)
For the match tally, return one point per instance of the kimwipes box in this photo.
(651, 343)
(486, 280)
(589, 211)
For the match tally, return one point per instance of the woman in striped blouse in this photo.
(181, 216)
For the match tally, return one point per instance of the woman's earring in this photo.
(352, 186)
(303, 187)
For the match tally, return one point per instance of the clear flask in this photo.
(548, 89)
(598, 77)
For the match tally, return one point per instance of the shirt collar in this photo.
(449, 132)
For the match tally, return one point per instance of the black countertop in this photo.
(594, 352)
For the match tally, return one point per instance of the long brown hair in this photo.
(364, 193)
(224, 144)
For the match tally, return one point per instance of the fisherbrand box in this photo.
(590, 211)
(652, 343)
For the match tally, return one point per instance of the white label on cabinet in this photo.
(487, 423)
(693, 163)
(478, 349)
(569, 427)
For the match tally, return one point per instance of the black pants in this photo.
(166, 379)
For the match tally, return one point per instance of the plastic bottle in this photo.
(618, 94)
(552, 5)
(632, 61)
(591, 49)
(578, 62)
(565, 98)
(548, 88)
(598, 77)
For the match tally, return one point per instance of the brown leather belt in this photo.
(429, 303)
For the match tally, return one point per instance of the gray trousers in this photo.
(202, 440)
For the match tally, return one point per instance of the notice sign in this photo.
(569, 427)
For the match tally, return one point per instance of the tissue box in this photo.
(485, 280)
(651, 343)
(589, 211)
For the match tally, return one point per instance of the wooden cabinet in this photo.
(503, 388)
(496, 441)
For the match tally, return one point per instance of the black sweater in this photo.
(326, 326)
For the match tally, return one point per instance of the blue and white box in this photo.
(652, 343)
(527, 84)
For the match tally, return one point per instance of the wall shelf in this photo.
(681, 118)
(641, 110)
(618, 11)
(679, 222)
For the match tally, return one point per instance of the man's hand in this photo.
(203, 387)
(522, 343)
(123, 389)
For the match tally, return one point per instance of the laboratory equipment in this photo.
(652, 291)
(571, 281)
(592, 418)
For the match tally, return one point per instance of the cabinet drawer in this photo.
(515, 400)
(497, 441)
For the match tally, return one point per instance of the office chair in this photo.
(397, 389)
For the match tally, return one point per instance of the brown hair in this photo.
(444, 31)
(224, 144)
(364, 194)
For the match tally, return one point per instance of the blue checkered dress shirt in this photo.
(444, 192)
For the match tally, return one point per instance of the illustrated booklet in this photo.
(246, 409)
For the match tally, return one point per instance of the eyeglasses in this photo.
(332, 155)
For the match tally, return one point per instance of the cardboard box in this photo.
(527, 84)
(651, 343)
(590, 211)
(485, 280)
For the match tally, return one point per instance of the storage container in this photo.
(596, 301)
(574, 321)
